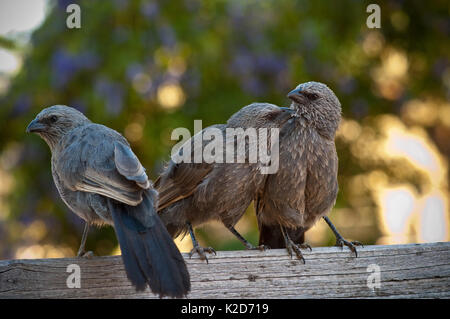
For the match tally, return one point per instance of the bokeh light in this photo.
(170, 96)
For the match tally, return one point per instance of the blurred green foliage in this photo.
(223, 55)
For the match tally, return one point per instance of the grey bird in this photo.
(102, 181)
(305, 187)
(194, 193)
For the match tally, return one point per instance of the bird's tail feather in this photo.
(149, 254)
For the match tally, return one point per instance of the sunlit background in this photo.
(148, 67)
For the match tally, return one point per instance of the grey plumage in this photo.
(101, 180)
(305, 187)
(194, 193)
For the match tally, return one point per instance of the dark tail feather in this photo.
(170, 218)
(271, 236)
(149, 254)
(176, 230)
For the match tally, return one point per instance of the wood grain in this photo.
(407, 271)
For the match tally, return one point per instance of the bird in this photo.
(305, 187)
(102, 181)
(194, 193)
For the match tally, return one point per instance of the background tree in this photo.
(147, 67)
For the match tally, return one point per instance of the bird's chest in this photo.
(63, 191)
(72, 198)
(309, 169)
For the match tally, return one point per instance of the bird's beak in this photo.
(288, 111)
(286, 114)
(296, 95)
(35, 126)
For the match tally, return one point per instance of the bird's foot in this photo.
(291, 246)
(305, 246)
(85, 254)
(260, 247)
(201, 252)
(340, 242)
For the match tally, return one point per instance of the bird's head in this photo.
(54, 122)
(318, 104)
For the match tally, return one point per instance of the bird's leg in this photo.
(290, 245)
(246, 243)
(81, 251)
(196, 247)
(340, 241)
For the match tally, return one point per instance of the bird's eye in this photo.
(312, 96)
(53, 119)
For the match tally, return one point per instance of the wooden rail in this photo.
(397, 271)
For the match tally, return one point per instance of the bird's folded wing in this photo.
(99, 160)
(180, 180)
(129, 166)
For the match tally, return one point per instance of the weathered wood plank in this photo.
(406, 271)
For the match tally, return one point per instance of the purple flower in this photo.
(63, 69)
(242, 63)
(22, 105)
(150, 9)
(112, 93)
(132, 70)
(65, 66)
(269, 64)
(235, 9)
(87, 60)
(167, 35)
(27, 216)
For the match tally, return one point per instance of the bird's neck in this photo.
(325, 126)
(51, 140)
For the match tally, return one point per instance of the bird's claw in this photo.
(340, 242)
(201, 252)
(305, 246)
(263, 247)
(291, 246)
(85, 254)
(260, 247)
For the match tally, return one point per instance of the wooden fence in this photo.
(396, 271)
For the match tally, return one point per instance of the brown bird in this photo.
(305, 187)
(191, 194)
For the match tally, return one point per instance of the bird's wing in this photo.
(180, 180)
(99, 160)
